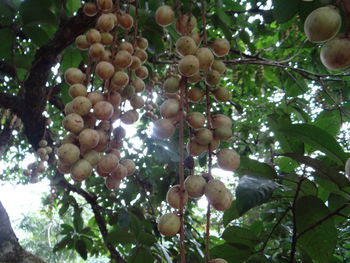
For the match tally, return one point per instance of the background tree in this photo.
(290, 127)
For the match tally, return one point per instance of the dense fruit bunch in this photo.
(92, 141)
(196, 64)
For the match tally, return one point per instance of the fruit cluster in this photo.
(322, 25)
(195, 64)
(92, 141)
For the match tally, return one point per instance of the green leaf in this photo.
(35, 12)
(319, 242)
(230, 253)
(284, 10)
(231, 214)
(330, 121)
(317, 138)
(258, 258)
(36, 34)
(78, 220)
(120, 236)
(7, 41)
(335, 201)
(140, 255)
(80, 247)
(71, 58)
(146, 239)
(253, 167)
(220, 11)
(72, 6)
(63, 209)
(66, 229)
(252, 191)
(241, 236)
(62, 244)
(276, 122)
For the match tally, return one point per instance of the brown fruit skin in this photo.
(105, 5)
(225, 201)
(205, 58)
(220, 120)
(141, 54)
(195, 94)
(77, 90)
(195, 149)
(111, 183)
(73, 123)
(228, 160)
(137, 102)
(222, 94)
(215, 190)
(169, 224)
(195, 186)
(123, 59)
(82, 43)
(185, 24)
(322, 24)
(219, 66)
(203, 136)
(195, 78)
(81, 170)
(95, 96)
(106, 22)
(125, 21)
(68, 153)
(188, 65)
(164, 15)
(169, 108)
(142, 72)
(120, 172)
(108, 163)
(335, 53)
(90, 9)
(103, 110)
(88, 138)
(196, 36)
(171, 84)
(74, 76)
(96, 51)
(139, 85)
(212, 78)
(222, 133)
(142, 43)
(127, 46)
(129, 117)
(92, 157)
(93, 36)
(173, 197)
(63, 168)
(104, 70)
(130, 166)
(81, 105)
(120, 78)
(186, 46)
(163, 129)
(135, 64)
(195, 120)
(221, 47)
(106, 38)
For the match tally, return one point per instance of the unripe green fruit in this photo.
(322, 24)
(212, 78)
(222, 94)
(169, 224)
(219, 66)
(203, 136)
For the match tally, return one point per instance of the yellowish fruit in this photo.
(164, 15)
(169, 224)
(195, 186)
(228, 160)
(173, 196)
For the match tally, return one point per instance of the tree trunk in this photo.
(10, 250)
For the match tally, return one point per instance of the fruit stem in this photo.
(183, 84)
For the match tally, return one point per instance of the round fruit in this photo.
(119, 133)
(123, 59)
(114, 98)
(212, 78)
(335, 53)
(141, 54)
(173, 197)
(120, 78)
(169, 224)
(106, 22)
(96, 51)
(186, 46)
(195, 119)
(81, 170)
(63, 168)
(125, 21)
(92, 157)
(112, 183)
(128, 92)
(225, 201)
(142, 72)
(108, 163)
(322, 24)
(228, 159)
(203, 136)
(164, 15)
(169, 108)
(135, 64)
(195, 149)
(93, 36)
(219, 66)
(129, 117)
(196, 36)
(130, 166)
(171, 84)
(70, 138)
(68, 153)
(163, 129)
(127, 46)
(195, 186)
(106, 39)
(142, 43)
(81, 42)
(103, 110)
(88, 138)
(139, 85)
(137, 102)
(73, 123)
(77, 90)
(185, 24)
(104, 70)
(81, 105)
(222, 133)
(221, 47)
(195, 94)
(120, 172)
(74, 76)
(90, 9)
(222, 94)
(195, 78)
(105, 5)
(220, 120)
(214, 190)
(95, 97)
(188, 65)
(205, 58)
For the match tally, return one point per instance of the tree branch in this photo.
(96, 208)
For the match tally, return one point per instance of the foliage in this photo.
(290, 127)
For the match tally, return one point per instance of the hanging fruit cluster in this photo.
(195, 64)
(118, 61)
(322, 25)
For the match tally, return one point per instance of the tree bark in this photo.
(10, 250)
